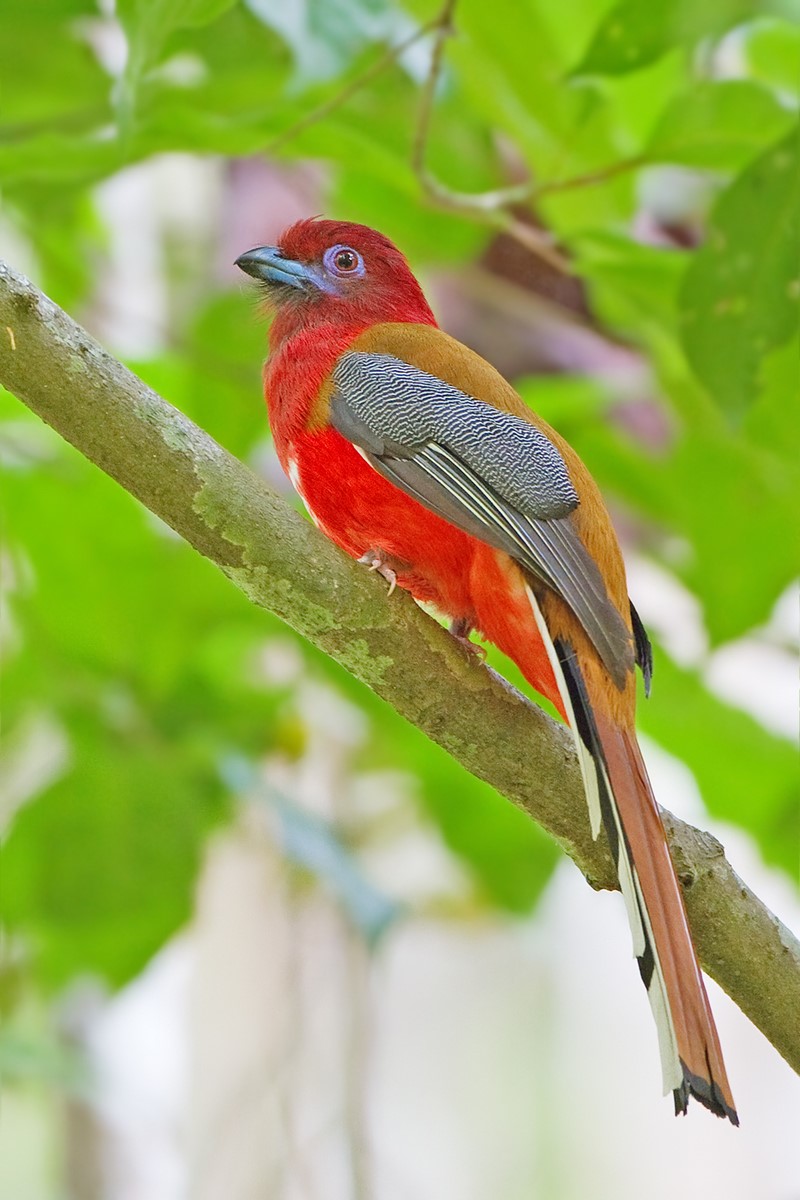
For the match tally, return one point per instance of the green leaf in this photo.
(54, 98)
(89, 616)
(772, 52)
(771, 423)
(48, 71)
(732, 757)
(56, 160)
(737, 505)
(98, 871)
(65, 235)
(326, 35)
(509, 73)
(148, 23)
(375, 184)
(443, 237)
(701, 470)
(233, 100)
(216, 378)
(636, 32)
(506, 56)
(721, 125)
(741, 295)
(646, 278)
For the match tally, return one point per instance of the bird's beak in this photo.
(267, 264)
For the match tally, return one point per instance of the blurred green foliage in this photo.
(740, 297)
(139, 651)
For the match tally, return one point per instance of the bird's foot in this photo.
(460, 630)
(377, 561)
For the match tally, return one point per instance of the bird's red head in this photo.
(335, 272)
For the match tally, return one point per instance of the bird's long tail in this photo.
(621, 799)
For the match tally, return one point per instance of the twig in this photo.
(373, 71)
(493, 206)
(591, 178)
(443, 30)
(477, 202)
(539, 242)
(282, 563)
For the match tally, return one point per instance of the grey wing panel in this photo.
(405, 407)
(407, 474)
(579, 582)
(549, 550)
(440, 479)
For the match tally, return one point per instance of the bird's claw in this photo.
(461, 630)
(379, 563)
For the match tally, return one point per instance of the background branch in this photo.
(491, 207)
(370, 73)
(282, 563)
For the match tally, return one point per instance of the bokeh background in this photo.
(259, 937)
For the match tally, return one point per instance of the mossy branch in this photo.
(283, 564)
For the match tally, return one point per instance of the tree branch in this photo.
(282, 563)
(492, 207)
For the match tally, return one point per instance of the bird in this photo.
(418, 459)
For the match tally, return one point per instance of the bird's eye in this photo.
(343, 260)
